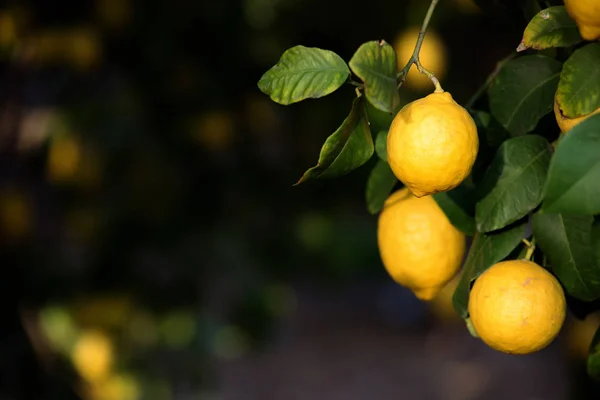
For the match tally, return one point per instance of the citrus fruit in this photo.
(418, 245)
(92, 355)
(432, 56)
(432, 144)
(579, 335)
(517, 307)
(586, 14)
(441, 306)
(566, 124)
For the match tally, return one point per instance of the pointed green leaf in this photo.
(486, 250)
(578, 92)
(491, 136)
(566, 241)
(574, 173)
(349, 147)
(523, 92)
(459, 206)
(552, 27)
(380, 184)
(593, 361)
(375, 63)
(303, 73)
(514, 183)
(381, 145)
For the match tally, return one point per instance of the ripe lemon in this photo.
(566, 124)
(92, 355)
(432, 144)
(586, 14)
(579, 335)
(441, 306)
(418, 245)
(517, 307)
(432, 56)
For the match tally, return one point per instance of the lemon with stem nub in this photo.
(586, 14)
(432, 144)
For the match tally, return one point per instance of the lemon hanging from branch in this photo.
(432, 144)
(418, 245)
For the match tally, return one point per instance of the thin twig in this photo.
(414, 58)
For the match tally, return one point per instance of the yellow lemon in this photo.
(92, 355)
(64, 158)
(418, 245)
(441, 306)
(579, 335)
(566, 124)
(586, 14)
(432, 144)
(117, 387)
(16, 214)
(432, 56)
(517, 307)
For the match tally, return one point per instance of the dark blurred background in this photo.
(153, 246)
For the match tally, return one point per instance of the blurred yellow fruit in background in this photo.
(58, 327)
(213, 130)
(579, 335)
(83, 48)
(441, 306)
(116, 387)
(432, 56)
(106, 311)
(114, 14)
(92, 355)
(64, 158)
(8, 29)
(16, 214)
(467, 6)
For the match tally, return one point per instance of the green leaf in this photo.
(380, 184)
(375, 63)
(566, 241)
(552, 27)
(514, 183)
(578, 92)
(381, 145)
(523, 92)
(593, 361)
(349, 147)
(573, 184)
(491, 136)
(596, 238)
(304, 73)
(486, 250)
(459, 206)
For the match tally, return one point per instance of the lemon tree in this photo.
(516, 168)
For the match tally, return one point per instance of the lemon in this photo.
(586, 14)
(579, 335)
(64, 158)
(517, 307)
(566, 124)
(432, 56)
(441, 306)
(418, 245)
(117, 387)
(92, 355)
(432, 144)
